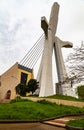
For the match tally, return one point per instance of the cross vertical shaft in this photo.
(45, 76)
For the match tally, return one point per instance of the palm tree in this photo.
(32, 85)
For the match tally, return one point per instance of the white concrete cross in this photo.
(51, 42)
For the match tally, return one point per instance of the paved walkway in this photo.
(58, 101)
(29, 126)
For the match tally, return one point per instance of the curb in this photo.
(18, 121)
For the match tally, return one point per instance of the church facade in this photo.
(11, 78)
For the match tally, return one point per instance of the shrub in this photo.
(21, 89)
(80, 91)
(18, 99)
(45, 102)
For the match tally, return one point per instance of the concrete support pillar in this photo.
(63, 87)
(62, 75)
(46, 84)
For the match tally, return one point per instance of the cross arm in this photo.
(44, 25)
(66, 44)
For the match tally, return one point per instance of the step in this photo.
(64, 121)
(53, 122)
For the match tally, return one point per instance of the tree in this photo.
(75, 62)
(21, 89)
(80, 91)
(32, 85)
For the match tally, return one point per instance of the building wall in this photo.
(8, 82)
(10, 79)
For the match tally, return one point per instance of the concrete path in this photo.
(29, 126)
(57, 101)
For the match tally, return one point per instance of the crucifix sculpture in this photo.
(51, 42)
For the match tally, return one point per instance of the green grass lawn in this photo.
(23, 109)
(76, 123)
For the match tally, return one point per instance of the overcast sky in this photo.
(20, 26)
